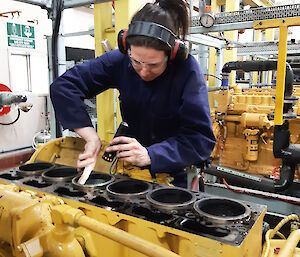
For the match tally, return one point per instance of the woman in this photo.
(163, 96)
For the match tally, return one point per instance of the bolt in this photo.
(283, 21)
(260, 23)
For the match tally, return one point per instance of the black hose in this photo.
(10, 123)
(282, 147)
(287, 172)
(240, 178)
(248, 66)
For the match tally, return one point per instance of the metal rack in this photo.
(244, 19)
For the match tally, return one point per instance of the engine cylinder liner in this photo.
(221, 210)
(60, 174)
(36, 168)
(96, 181)
(128, 189)
(171, 198)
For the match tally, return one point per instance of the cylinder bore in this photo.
(95, 181)
(33, 169)
(60, 174)
(171, 198)
(221, 210)
(128, 189)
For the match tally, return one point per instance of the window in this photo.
(20, 79)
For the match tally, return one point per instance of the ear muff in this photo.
(122, 45)
(178, 52)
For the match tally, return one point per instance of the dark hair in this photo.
(172, 14)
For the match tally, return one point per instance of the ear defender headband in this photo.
(178, 48)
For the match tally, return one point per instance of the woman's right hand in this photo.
(91, 148)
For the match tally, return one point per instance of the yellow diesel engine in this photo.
(45, 212)
(244, 123)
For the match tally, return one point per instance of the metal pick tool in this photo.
(85, 175)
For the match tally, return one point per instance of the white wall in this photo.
(79, 20)
(20, 134)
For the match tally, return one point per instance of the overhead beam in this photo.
(258, 3)
(46, 4)
(205, 40)
(223, 27)
(78, 3)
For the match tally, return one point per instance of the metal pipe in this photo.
(289, 248)
(248, 66)
(75, 218)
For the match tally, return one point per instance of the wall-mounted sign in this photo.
(19, 35)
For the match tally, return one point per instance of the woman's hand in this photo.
(91, 148)
(130, 150)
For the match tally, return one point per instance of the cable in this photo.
(259, 195)
(10, 123)
(113, 167)
(212, 76)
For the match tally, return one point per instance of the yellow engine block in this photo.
(44, 213)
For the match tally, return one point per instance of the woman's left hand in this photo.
(130, 150)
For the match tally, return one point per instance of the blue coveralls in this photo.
(170, 115)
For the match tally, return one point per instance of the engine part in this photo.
(96, 181)
(170, 199)
(128, 189)
(32, 169)
(60, 174)
(150, 211)
(222, 210)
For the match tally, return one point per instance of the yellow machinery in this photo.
(245, 118)
(245, 138)
(42, 214)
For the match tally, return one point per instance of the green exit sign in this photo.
(19, 35)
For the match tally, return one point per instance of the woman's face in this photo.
(147, 62)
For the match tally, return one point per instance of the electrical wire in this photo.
(10, 123)
(212, 76)
(259, 195)
(113, 167)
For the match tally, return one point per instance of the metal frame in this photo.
(245, 19)
(266, 48)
